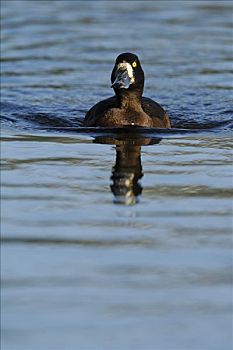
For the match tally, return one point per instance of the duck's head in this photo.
(127, 74)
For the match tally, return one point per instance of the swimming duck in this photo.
(128, 107)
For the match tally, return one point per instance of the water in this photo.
(115, 241)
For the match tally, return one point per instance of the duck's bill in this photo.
(122, 80)
(124, 76)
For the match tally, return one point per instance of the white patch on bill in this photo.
(128, 67)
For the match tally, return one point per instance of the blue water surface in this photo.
(116, 239)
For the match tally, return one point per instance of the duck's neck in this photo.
(129, 99)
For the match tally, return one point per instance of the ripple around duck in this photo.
(65, 121)
(84, 242)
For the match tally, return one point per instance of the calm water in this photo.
(114, 240)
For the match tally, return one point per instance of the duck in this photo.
(128, 107)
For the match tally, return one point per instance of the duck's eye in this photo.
(134, 64)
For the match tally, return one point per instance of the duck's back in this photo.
(91, 118)
(156, 112)
(150, 107)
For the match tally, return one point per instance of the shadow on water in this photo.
(127, 171)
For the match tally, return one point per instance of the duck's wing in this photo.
(98, 110)
(156, 112)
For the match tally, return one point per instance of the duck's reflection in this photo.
(127, 171)
(126, 174)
